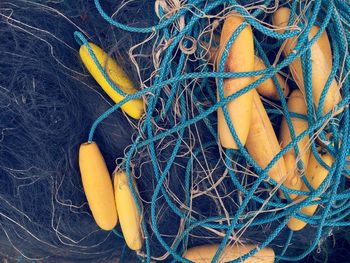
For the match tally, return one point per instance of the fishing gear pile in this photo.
(173, 131)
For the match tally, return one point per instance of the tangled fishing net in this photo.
(191, 190)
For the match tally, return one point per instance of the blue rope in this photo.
(181, 97)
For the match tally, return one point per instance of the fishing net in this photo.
(190, 190)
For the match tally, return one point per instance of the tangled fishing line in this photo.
(191, 190)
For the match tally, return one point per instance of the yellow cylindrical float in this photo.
(321, 59)
(134, 108)
(262, 143)
(240, 59)
(315, 174)
(205, 253)
(268, 88)
(296, 104)
(129, 217)
(98, 186)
